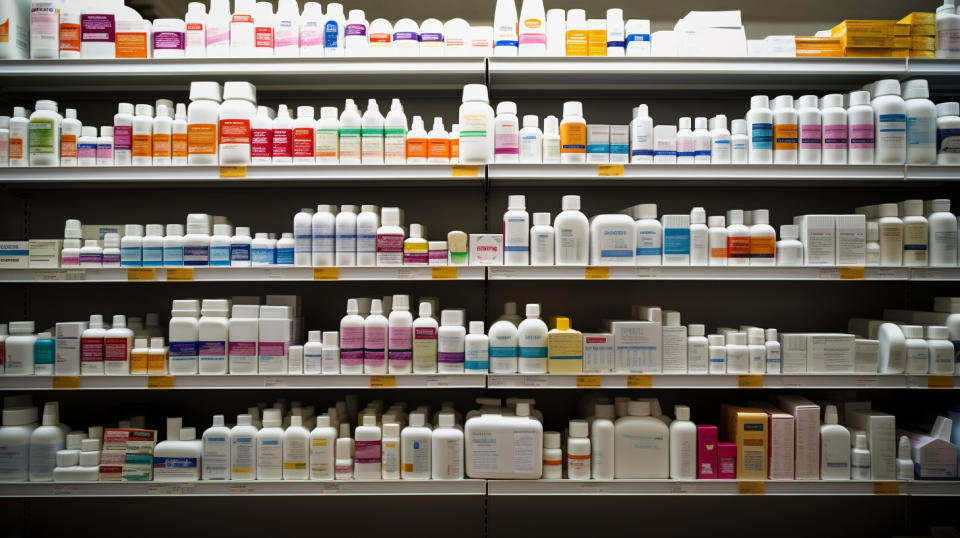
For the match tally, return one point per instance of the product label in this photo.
(86, 151)
(263, 36)
(835, 136)
(785, 136)
(400, 344)
(861, 136)
(195, 35)
(303, 142)
(367, 452)
(416, 254)
(91, 349)
(921, 131)
(810, 136)
(676, 241)
(271, 355)
(577, 43)
(211, 352)
(261, 143)
(169, 40)
(161, 145)
(168, 467)
(16, 148)
(761, 136)
(390, 243)
(351, 346)
(738, 246)
(762, 247)
(327, 143)
(131, 45)
(97, 28)
(131, 256)
(69, 37)
(614, 244)
(573, 138)
(104, 154)
(152, 256)
(948, 141)
(282, 143)
(374, 346)
(406, 36)
(416, 148)
(234, 131)
(451, 357)
(142, 145)
(86, 259)
(685, 147)
(597, 42)
(68, 146)
(355, 30)
(240, 252)
(183, 351)
(201, 139)
(41, 137)
(948, 40)
(217, 35)
(431, 39)
(440, 148)
(371, 145)
(284, 256)
(892, 128)
(331, 34)
(266, 256)
(311, 35)
(242, 349)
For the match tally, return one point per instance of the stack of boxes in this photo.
(923, 41)
(818, 47)
(127, 454)
(873, 38)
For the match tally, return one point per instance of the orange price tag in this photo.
(383, 381)
(750, 381)
(886, 488)
(852, 273)
(179, 274)
(443, 273)
(233, 171)
(610, 170)
(639, 381)
(160, 382)
(596, 273)
(751, 488)
(589, 381)
(66, 382)
(465, 171)
(141, 274)
(939, 381)
(326, 273)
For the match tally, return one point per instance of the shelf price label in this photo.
(939, 381)
(610, 170)
(180, 274)
(383, 381)
(465, 171)
(639, 381)
(443, 273)
(65, 382)
(750, 381)
(751, 488)
(596, 273)
(233, 171)
(589, 381)
(141, 274)
(160, 382)
(326, 273)
(886, 488)
(852, 273)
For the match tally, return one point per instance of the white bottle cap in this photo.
(716, 340)
(887, 86)
(737, 339)
(305, 112)
(949, 108)
(637, 408)
(578, 428)
(198, 223)
(860, 440)
(684, 123)
(155, 229)
(771, 335)
(185, 307)
(331, 338)
(698, 216)
(96, 321)
(550, 439)
(90, 445)
(533, 310)
(940, 205)
(272, 418)
(833, 100)
(188, 433)
(789, 231)
(873, 231)
(446, 420)
(700, 123)
(888, 210)
(912, 208)
(353, 307)
(88, 132)
(401, 302)
(759, 101)
(516, 201)
(571, 202)
(551, 125)
(912, 331)
(68, 458)
(783, 101)
(203, 90)
(717, 222)
(474, 92)
(541, 219)
(738, 127)
(476, 327)
(425, 309)
(937, 332)
(761, 216)
(144, 110)
(671, 318)
(830, 415)
(576, 17)
(734, 216)
(507, 107)
(859, 98)
(90, 242)
(390, 216)
(681, 412)
(696, 329)
(530, 121)
(238, 89)
(416, 231)
(572, 108)
(755, 336)
(451, 318)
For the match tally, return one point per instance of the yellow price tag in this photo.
(465, 171)
(852, 273)
(140, 274)
(383, 381)
(66, 382)
(596, 273)
(326, 273)
(609, 169)
(179, 274)
(639, 381)
(233, 171)
(443, 273)
(750, 381)
(589, 381)
(160, 382)
(939, 381)
(886, 488)
(751, 488)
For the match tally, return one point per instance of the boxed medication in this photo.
(806, 417)
(747, 427)
(598, 353)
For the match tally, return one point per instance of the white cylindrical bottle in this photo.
(531, 141)
(738, 239)
(785, 131)
(286, 30)
(516, 232)
(573, 134)
(940, 350)
(351, 340)
(739, 142)
(389, 238)
(921, 123)
(162, 137)
(578, 451)
(303, 238)
(184, 336)
(717, 238)
(834, 447)
(212, 336)
(142, 141)
(368, 450)
(123, 134)
(425, 341)
(400, 336)
(552, 456)
(507, 133)
(918, 352)
(602, 439)
(891, 236)
(296, 450)
(738, 354)
(532, 342)
(218, 23)
(45, 441)
(476, 126)
(368, 221)
(890, 125)
(942, 239)
(447, 449)
(699, 237)
(948, 132)
(451, 342)
(215, 458)
(641, 136)
(243, 449)
(572, 232)
(551, 140)
(556, 36)
(649, 236)
(756, 351)
(834, 131)
(70, 131)
(860, 465)
(915, 234)
(720, 141)
(395, 134)
(281, 143)
(717, 354)
(683, 445)
(759, 131)
(860, 120)
(86, 147)
(476, 350)
(532, 29)
(763, 239)
(810, 130)
(346, 236)
(270, 446)
(327, 138)
(322, 247)
(355, 40)
(438, 143)
(371, 146)
(541, 240)
(375, 340)
(237, 112)
(773, 352)
(789, 248)
(322, 449)
(685, 143)
(195, 37)
(304, 130)
(505, 39)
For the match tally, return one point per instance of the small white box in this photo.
(881, 440)
(865, 356)
(598, 144)
(851, 231)
(806, 417)
(68, 347)
(933, 457)
(619, 144)
(45, 253)
(818, 235)
(599, 356)
(637, 346)
(793, 353)
(486, 249)
(14, 254)
(830, 353)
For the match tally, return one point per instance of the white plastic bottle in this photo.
(19, 139)
(142, 141)
(891, 236)
(834, 131)
(641, 459)
(270, 446)
(685, 142)
(389, 238)
(763, 239)
(918, 353)
(415, 449)
(699, 237)
(834, 447)
(921, 123)
(117, 343)
(241, 246)
(236, 115)
(698, 361)
(738, 354)
(717, 233)
(91, 255)
(152, 246)
(304, 130)
(351, 340)
(375, 340)
(44, 32)
(507, 133)
(215, 458)
(505, 39)
(311, 34)
(531, 141)
(789, 248)
(503, 346)
(346, 236)
(756, 350)
(572, 231)
(281, 144)
(91, 346)
(333, 30)
(438, 143)
(942, 239)
(890, 125)
(179, 148)
(683, 445)
(649, 236)
(773, 352)
(400, 336)
(372, 133)
(447, 449)
(516, 232)
(243, 449)
(717, 351)
(131, 246)
(860, 121)
(451, 342)
(323, 233)
(212, 336)
(367, 223)
(915, 234)
(44, 135)
(476, 126)
(322, 444)
(45, 441)
(532, 342)
(573, 134)
(532, 29)
(905, 466)
(785, 131)
(368, 450)
(195, 26)
(70, 131)
(541, 240)
(286, 30)
(218, 24)
(810, 130)
(641, 136)
(551, 140)
(162, 137)
(476, 349)
(948, 132)
(860, 464)
(86, 147)
(738, 239)
(739, 142)
(296, 450)
(602, 442)
(395, 135)
(425, 341)
(578, 451)
(242, 30)
(759, 130)
(720, 141)
(355, 41)
(941, 350)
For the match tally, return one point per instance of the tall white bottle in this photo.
(532, 29)
(243, 449)
(834, 447)
(890, 125)
(532, 342)
(572, 232)
(215, 458)
(683, 445)
(516, 232)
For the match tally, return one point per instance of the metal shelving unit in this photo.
(277, 273)
(237, 381)
(661, 272)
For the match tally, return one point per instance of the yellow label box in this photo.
(564, 351)
(748, 428)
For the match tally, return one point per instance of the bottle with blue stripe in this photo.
(641, 136)
(131, 246)
(152, 251)
(505, 39)
(532, 342)
(476, 350)
(890, 112)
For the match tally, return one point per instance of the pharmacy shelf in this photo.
(932, 173)
(267, 74)
(670, 74)
(719, 381)
(191, 382)
(702, 487)
(935, 273)
(631, 272)
(227, 488)
(240, 274)
(435, 175)
(548, 175)
(937, 488)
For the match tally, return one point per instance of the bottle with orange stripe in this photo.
(162, 132)
(417, 142)
(552, 456)
(763, 239)
(455, 144)
(578, 451)
(438, 144)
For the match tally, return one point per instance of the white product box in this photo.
(830, 353)
(274, 329)
(932, 457)
(45, 253)
(866, 354)
(851, 231)
(781, 447)
(599, 355)
(806, 417)
(619, 144)
(293, 304)
(881, 431)
(793, 353)
(598, 143)
(486, 249)
(818, 235)
(780, 46)
(674, 340)
(14, 254)
(68, 347)
(637, 346)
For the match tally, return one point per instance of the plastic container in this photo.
(891, 236)
(834, 130)
(368, 450)
(477, 129)
(447, 455)
(785, 130)
(184, 336)
(572, 232)
(451, 341)
(296, 450)
(860, 121)
(269, 447)
(759, 130)
(504, 447)
(573, 134)
(532, 342)
(400, 336)
(921, 123)
(215, 459)
(890, 125)
(203, 117)
(683, 445)
(117, 343)
(19, 422)
(237, 113)
(612, 240)
(943, 234)
(834, 447)
(641, 444)
(810, 130)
